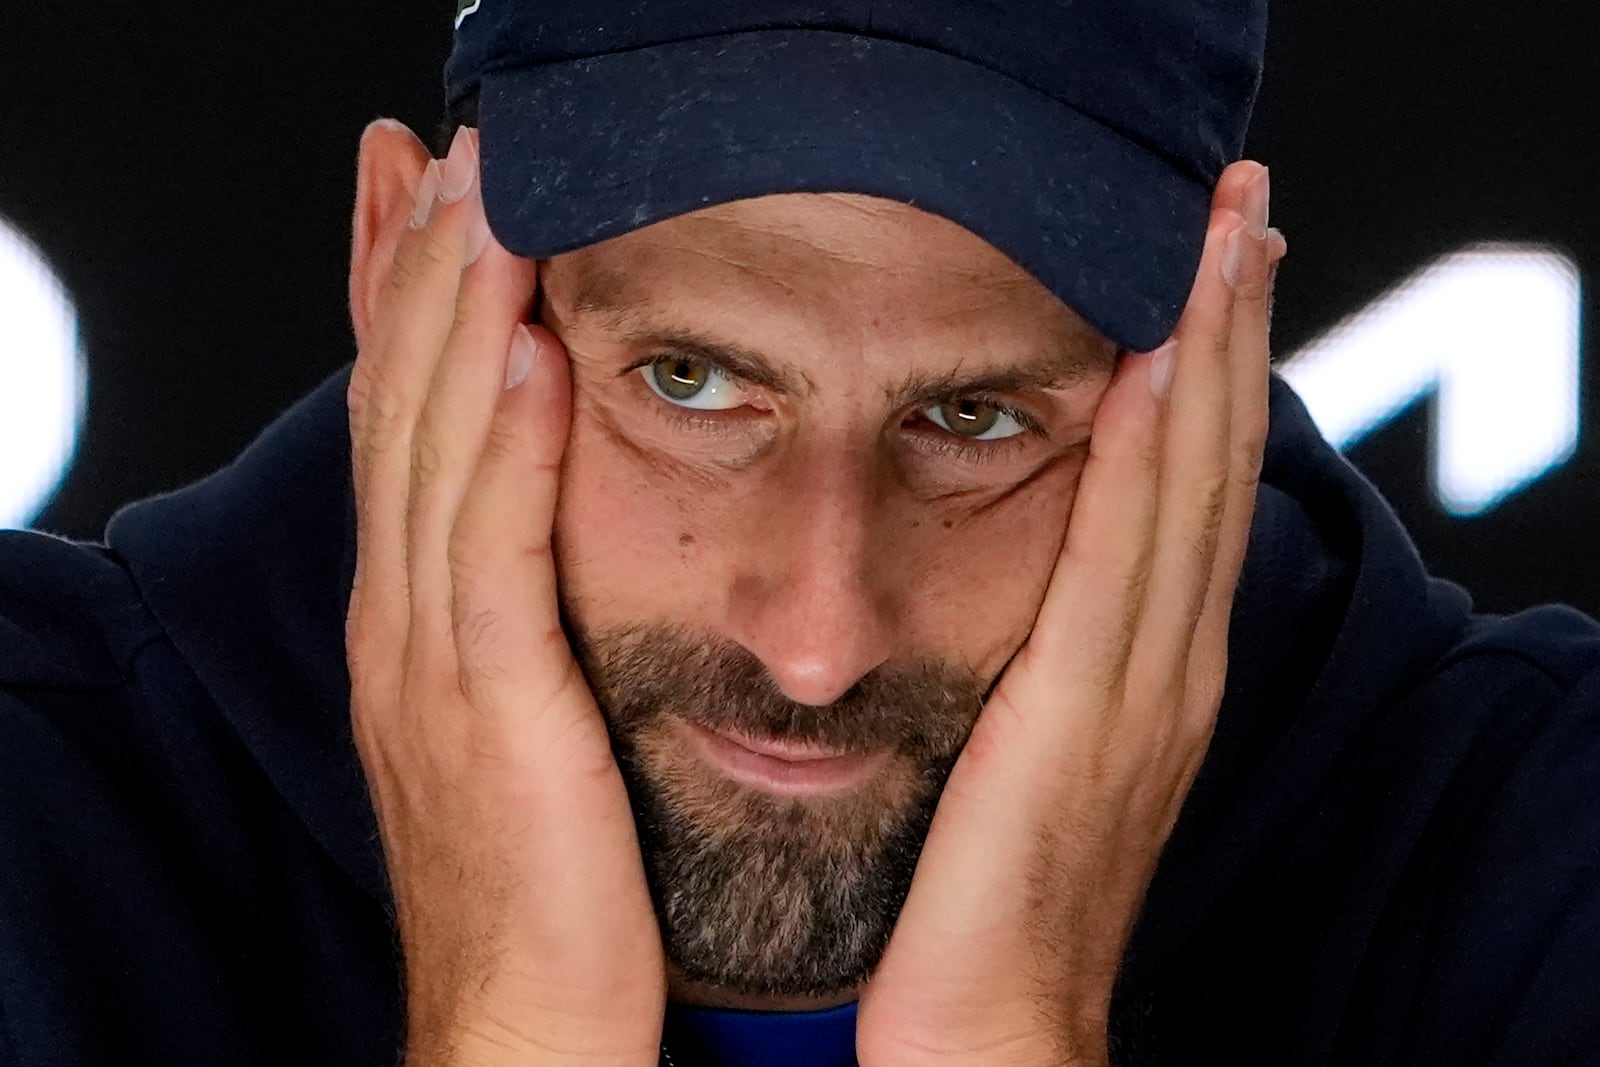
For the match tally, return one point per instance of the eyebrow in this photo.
(1058, 369)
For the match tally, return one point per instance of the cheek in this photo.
(985, 573)
(632, 543)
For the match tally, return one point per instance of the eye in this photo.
(688, 382)
(974, 420)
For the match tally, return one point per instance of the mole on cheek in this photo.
(685, 540)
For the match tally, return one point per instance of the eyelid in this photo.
(717, 367)
(1025, 419)
(715, 391)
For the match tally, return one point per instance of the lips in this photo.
(785, 768)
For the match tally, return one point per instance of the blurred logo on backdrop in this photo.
(43, 380)
(1492, 333)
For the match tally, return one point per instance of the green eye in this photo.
(688, 382)
(974, 420)
(680, 379)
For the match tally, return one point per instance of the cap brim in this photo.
(577, 151)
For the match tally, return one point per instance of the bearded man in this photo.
(810, 565)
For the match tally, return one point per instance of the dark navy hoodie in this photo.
(1391, 855)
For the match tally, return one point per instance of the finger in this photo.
(1229, 195)
(413, 314)
(1277, 249)
(387, 386)
(1081, 638)
(512, 651)
(496, 293)
(1195, 473)
(1249, 363)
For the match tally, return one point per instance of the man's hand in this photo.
(1049, 829)
(520, 894)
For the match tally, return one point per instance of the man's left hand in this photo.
(1049, 829)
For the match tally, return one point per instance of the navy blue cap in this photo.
(1080, 137)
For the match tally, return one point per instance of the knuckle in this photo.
(1222, 339)
(462, 559)
(1211, 490)
(1247, 478)
(1210, 523)
(1255, 283)
(460, 318)
(1147, 451)
(369, 668)
(358, 393)
(427, 459)
(502, 442)
(480, 635)
(1207, 680)
(1205, 523)
(430, 253)
(401, 277)
(483, 642)
(385, 422)
(1249, 447)
(378, 413)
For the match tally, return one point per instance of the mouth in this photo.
(783, 768)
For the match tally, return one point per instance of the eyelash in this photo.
(947, 443)
(940, 440)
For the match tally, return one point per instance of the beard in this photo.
(757, 893)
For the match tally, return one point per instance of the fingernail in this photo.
(1236, 252)
(427, 195)
(1257, 202)
(1161, 369)
(1277, 245)
(477, 235)
(519, 361)
(460, 167)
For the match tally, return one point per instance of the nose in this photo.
(811, 600)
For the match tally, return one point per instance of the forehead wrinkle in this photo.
(612, 293)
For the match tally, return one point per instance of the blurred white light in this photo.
(43, 382)
(1494, 331)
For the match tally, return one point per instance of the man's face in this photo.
(823, 451)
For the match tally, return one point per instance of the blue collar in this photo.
(714, 1037)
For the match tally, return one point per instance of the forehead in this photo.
(859, 260)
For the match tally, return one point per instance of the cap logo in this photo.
(465, 8)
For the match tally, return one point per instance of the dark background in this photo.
(188, 169)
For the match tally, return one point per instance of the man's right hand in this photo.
(520, 895)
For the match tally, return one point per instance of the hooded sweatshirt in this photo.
(1391, 854)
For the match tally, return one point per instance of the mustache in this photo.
(638, 673)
